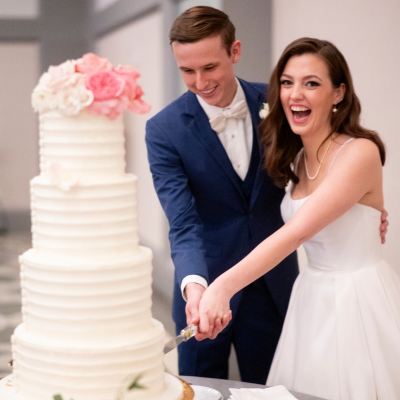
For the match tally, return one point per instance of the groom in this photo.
(207, 167)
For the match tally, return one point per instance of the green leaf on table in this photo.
(57, 397)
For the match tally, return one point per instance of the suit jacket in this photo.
(212, 226)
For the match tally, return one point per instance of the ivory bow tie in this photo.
(239, 110)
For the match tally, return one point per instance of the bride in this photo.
(341, 336)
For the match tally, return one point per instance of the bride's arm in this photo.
(355, 177)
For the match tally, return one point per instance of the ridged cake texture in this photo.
(86, 282)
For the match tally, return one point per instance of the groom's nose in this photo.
(201, 81)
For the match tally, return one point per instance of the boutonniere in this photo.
(264, 110)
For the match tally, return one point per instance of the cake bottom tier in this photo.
(174, 389)
(43, 369)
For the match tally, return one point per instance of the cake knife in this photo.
(184, 336)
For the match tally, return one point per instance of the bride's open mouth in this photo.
(300, 113)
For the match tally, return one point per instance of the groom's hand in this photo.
(384, 226)
(194, 293)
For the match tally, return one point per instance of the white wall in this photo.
(18, 123)
(140, 45)
(100, 5)
(185, 4)
(367, 32)
(24, 9)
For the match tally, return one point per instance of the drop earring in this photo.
(334, 108)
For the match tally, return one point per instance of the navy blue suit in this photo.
(215, 220)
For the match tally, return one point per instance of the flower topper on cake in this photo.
(90, 82)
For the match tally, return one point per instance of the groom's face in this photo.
(207, 69)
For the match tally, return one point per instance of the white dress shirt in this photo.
(237, 139)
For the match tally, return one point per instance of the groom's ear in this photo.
(236, 51)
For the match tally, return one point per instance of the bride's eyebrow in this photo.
(305, 78)
(312, 77)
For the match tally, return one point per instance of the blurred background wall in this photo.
(37, 33)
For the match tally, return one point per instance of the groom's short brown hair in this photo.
(200, 22)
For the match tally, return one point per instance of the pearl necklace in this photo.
(319, 167)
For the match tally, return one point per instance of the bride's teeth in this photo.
(298, 108)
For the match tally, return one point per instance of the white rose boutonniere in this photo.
(264, 110)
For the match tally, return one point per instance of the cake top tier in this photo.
(90, 83)
(81, 149)
(81, 129)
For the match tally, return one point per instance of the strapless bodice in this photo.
(349, 243)
(341, 336)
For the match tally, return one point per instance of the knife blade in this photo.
(184, 336)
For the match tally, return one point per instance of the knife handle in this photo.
(188, 332)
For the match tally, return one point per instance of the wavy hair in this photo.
(280, 143)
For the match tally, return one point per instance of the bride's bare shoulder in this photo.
(359, 155)
(361, 148)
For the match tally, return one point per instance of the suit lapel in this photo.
(201, 128)
(255, 100)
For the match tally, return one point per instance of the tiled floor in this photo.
(14, 244)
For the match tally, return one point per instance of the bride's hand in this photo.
(214, 311)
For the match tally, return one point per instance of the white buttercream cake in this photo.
(87, 330)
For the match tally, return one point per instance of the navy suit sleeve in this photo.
(171, 184)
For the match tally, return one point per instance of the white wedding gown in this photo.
(341, 336)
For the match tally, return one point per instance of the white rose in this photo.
(45, 80)
(264, 111)
(66, 68)
(43, 99)
(61, 75)
(72, 99)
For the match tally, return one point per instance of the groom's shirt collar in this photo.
(237, 136)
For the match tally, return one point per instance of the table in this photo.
(223, 386)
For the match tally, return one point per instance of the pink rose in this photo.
(110, 108)
(91, 63)
(130, 75)
(137, 105)
(133, 90)
(126, 69)
(105, 85)
(114, 89)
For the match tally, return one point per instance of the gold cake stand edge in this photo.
(188, 392)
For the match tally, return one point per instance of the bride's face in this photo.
(307, 95)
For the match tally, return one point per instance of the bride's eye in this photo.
(285, 82)
(312, 83)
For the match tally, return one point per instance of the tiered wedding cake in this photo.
(87, 330)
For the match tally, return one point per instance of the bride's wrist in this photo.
(224, 286)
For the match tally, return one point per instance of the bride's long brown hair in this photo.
(280, 143)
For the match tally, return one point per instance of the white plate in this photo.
(206, 393)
